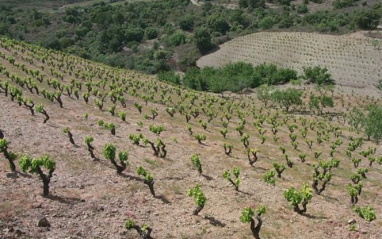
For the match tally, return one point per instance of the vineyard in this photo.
(353, 61)
(102, 152)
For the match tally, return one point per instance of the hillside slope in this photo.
(352, 60)
(89, 200)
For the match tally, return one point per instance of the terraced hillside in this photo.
(353, 61)
(161, 127)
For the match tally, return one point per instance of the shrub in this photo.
(149, 180)
(199, 198)
(200, 137)
(122, 115)
(267, 22)
(177, 38)
(156, 129)
(269, 177)
(264, 93)
(247, 216)
(228, 149)
(40, 109)
(236, 181)
(279, 169)
(139, 107)
(323, 176)
(154, 113)
(8, 155)
(295, 197)
(88, 140)
(318, 75)
(224, 132)
(135, 138)
(362, 172)
(144, 231)
(36, 165)
(196, 163)
(109, 151)
(367, 213)
(110, 126)
(252, 155)
(354, 191)
(245, 140)
(70, 135)
(287, 98)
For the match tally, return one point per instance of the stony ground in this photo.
(89, 200)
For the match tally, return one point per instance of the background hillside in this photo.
(353, 60)
(155, 36)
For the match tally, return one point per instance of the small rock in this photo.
(351, 221)
(37, 205)
(18, 232)
(43, 222)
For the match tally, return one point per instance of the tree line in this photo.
(155, 36)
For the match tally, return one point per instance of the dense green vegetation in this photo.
(240, 75)
(232, 77)
(154, 36)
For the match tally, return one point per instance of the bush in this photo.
(36, 165)
(186, 22)
(247, 216)
(177, 38)
(318, 75)
(169, 76)
(267, 23)
(202, 39)
(196, 163)
(144, 231)
(303, 197)
(367, 213)
(110, 151)
(287, 98)
(151, 33)
(236, 173)
(8, 155)
(149, 180)
(199, 198)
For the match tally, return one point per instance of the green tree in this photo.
(264, 93)
(202, 39)
(288, 97)
(151, 33)
(177, 38)
(252, 3)
(267, 22)
(318, 75)
(373, 123)
(186, 22)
